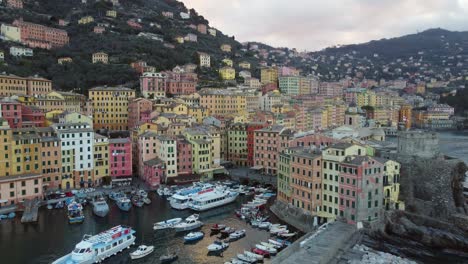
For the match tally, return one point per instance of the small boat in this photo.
(217, 227)
(124, 204)
(3, 216)
(59, 205)
(267, 249)
(167, 192)
(166, 224)
(11, 215)
(253, 255)
(286, 234)
(160, 191)
(236, 261)
(264, 225)
(228, 230)
(168, 258)
(218, 246)
(237, 234)
(142, 252)
(147, 200)
(75, 213)
(254, 223)
(270, 245)
(142, 193)
(284, 242)
(190, 223)
(274, 242)
(137, 201)
(246, 258)
(261, 252)
(115, 196)
(100, 206)
(50, 207)
(193, 236)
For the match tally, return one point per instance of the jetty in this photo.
(31, 209)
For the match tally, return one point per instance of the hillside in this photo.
(119, 40)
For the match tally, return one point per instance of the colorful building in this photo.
(227, 73)
(100, 57)
(120, 157)
(153, 85)
(391, 185)
(237, 144)
(184, 157)
(204, 59)
(39, 36)
(10, 32)
(138, 111)
(269, 75)
(101, 158)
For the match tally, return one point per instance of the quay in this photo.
(31, 209)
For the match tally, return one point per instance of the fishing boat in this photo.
(166, 224)
(237, 235)
(261, 252)
(75, 213)
(193, 236)
(141, 252)
(94, 249)
(124, 204)
(258, 257)
(218, 246)
(115, 196)
(267, 249)
(100, 206)
(170, 257)
(246, 258)
(209, 200)
(217, 227)
(190, 223)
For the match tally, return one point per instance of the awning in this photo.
(257, 167)
(3, 201)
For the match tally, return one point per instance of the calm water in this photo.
(455, 144)
(53, 237)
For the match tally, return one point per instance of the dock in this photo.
(31, 209)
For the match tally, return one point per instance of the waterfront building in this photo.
(51, 158)
(166, 150)
(18, 188)
(268, 143)
(284, 176)
(110, 107)
(237, 144)
(153, 172)
(202, 158)
(146, 151)
(227, 73)
(184, 156)
(120, 157)
(101, 158)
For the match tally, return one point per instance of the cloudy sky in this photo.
(316, 24)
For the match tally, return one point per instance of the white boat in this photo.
(270, 245)
(237, 234)
(160, 191)
(147, 200)
(100, 207)
(167, 192)
(218, 246)
(253, 255)
(264, 225)
(274, 242)
(278, 230)
(182, 198)
(208, 200)
(267, 249)
(142, 193)
(193, 236)
(286, 234)
(166, 224)
(246, 258)
(142, 252)
(94, 249)
(190, 223)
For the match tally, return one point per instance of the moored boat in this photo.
(218, 246)
(100, 207)
(94, 249)
(193, 236)
(246, 258)
(147, 200)
(124, 204)
(75, 213)
(212, 199)
(261, 252)
(190, 223)
(253, 255)
(170, 257)
(137, 201)
(267, 249)
(237, 234)
(166, 224)
(141, 252)
(116, 196)
(217, 227)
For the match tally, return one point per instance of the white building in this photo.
(184, 15)
(205, 59)
(20, 51)
(77, 141)
(270, 99)
(10, 33)
(212, 32)
(166, 149)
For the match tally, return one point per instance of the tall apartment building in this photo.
(120, 157)
(223, 102)
(153, 84)
(110, 107)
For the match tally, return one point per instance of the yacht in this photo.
(181, 199)
(190, 223)
(75, 213)
(124, 204)
(100, 207)
(94, 249)
(212, 199)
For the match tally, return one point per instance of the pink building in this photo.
(153, 172)
(180, 87)
(202, 28)
(308, 140)
(184, 156)
(268, 143)
(146, 151)
(139, 111)
(36, 35)
(11, 111)
(152, 83)
(99, 30)
(287, 71)
(15, 189)
(120, 157)
(133, 24)
(14, 4)
(331, 89)
(32, 116)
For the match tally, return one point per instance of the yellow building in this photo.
(85, 20)
(111, 13)
(227, 73)
(101, 158)
(244, 65)
(228, 62)
(179, 39)
(269, 75)
(25, 152)
(198, 112)
(223, 102)
(226, 48)
(201, 153)
(391, 182)
(5, 146)
(72, 117)
(110, 107)
(64, 60)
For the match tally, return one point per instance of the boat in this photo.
(237, 234)
(142, 193)
(141, 252)
(245, 258)
(50, 207)
(254, 223)
(115, 196)
(160, 191)
(258, 257)
(137, 201)
(168, 258)
(166, 224)
(94, 249)
(147, 200)
(59, 205)
(100, 206)
(124, 204)
(264, 225)
(236, 261)
(218, 246)
(284, 242)
(3, 216)
(274, 242)
(182, 198)
(167, 192)
(275, 231)
(267, 249)
(217, 227)
(193, 236)
(266, 244)
(11, 215)
(190, 223)
(227, 231)
(261, 252)
(212, 199)
(286, 234)
(75, 213)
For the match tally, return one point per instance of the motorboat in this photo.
(258, 257)
(209, 200)
(267, 249)
(261, 252)
(142, 193)
(275, 231)
(218, 246)
(284, 242)
(100, 206)
(167, 192)
(264, 225)
(166, 224)
(147, 200)
(115, 196)
(170, 257)
(95, 249)
(137, 201)
(217, 227)
(182, 198)
(190, 223)
(11, 215)
(124, 204)
(286, 234)
(266, 244)
(237, 234)
(227, 231)
(75, 213)
(141, 252)
(160, 191)
(193, 236)
(274, 242)
(246, 258)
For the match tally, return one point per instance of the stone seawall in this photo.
(293, 216)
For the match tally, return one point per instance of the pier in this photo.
(31, 209)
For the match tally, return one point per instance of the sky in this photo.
(316, 24)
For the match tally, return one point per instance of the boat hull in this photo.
(213, 205)
(188, 227)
